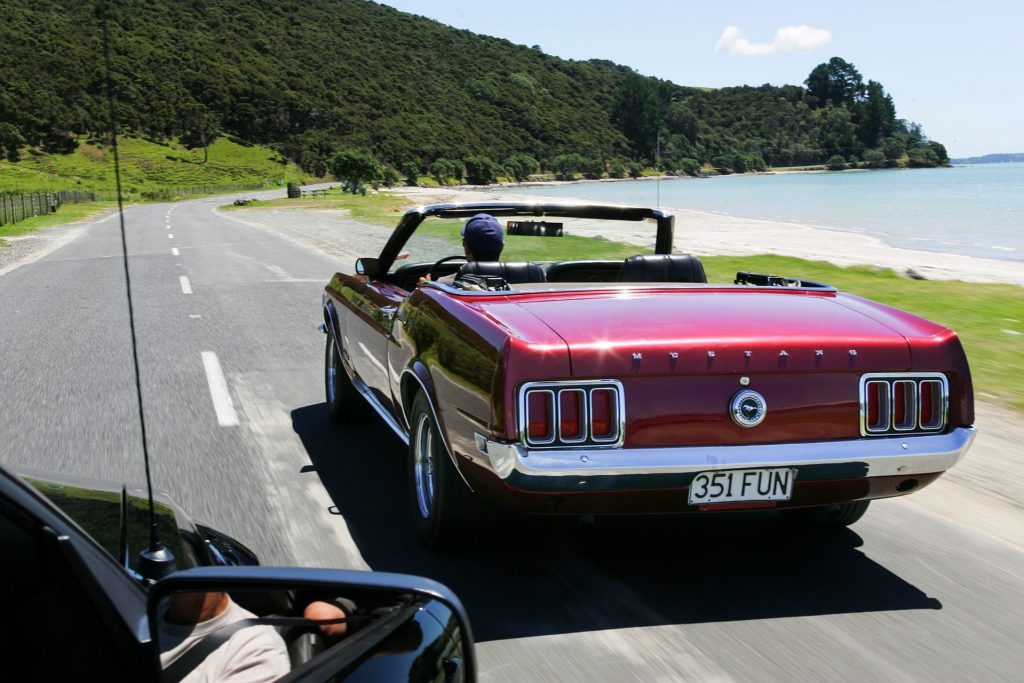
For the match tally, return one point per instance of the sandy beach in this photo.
(705, 233)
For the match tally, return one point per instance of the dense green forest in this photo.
(410, 96)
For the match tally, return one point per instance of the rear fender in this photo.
(416, 378)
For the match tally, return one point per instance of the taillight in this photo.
(571, 413)
(877, 395)
(903, 402)
(904, 409)
(540, 416)
(603, 421)
(932, 404)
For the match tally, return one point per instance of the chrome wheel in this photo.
(423, 465)
(331, 369)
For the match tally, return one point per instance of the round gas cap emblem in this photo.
(748, 408)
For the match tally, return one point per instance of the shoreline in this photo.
(712, 234)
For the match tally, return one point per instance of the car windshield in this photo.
(529, 238)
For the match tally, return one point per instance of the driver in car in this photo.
(233, 651)
(482, 240)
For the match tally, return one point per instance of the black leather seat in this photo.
(513, 272)
(663, 268)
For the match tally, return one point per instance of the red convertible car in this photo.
(632, 386)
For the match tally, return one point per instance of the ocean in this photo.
(973, 210)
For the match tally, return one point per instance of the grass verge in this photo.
(68, 213)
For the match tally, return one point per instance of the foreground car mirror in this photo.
(308, 625)
(367, 266)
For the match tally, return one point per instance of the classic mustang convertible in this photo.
(632, 386)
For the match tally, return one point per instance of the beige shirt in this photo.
(252, 655)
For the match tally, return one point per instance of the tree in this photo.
(356, 167)
(837, 81)
(592, 168)
(922, 157)
(481, 170)
(940, 152)
(874, 158)
(411, 171)
(443, 170)
(836, 162)
(876, 116)
(565, 166)
(200, 127)
(521, 166)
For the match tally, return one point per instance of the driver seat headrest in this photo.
(513, 272)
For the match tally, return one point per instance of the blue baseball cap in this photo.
(483, 234)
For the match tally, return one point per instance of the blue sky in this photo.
(957, 68)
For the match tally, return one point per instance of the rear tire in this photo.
(826, 517)
(344, 404)
(445, 512)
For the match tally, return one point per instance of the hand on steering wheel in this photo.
(434, 269)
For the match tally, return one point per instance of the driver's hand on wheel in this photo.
(423, 280)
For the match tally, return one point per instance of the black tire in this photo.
(344, 404)
(445, 512)
(826, 517)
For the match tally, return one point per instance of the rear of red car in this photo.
(674, 399)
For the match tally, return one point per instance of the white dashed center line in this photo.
(170, 236)
(222, 404)
(186, 287)
(175, 252)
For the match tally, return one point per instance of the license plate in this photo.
(729, 486)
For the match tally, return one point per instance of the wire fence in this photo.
(18, 207)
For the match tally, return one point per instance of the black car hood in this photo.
(116, 516)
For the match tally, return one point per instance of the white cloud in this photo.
(801, 38)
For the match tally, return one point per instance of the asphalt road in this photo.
(905, 594)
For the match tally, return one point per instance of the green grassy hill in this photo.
(146, 167)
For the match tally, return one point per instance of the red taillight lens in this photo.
(877, 396)
(904, 405)
(931, 405)
(602, 414)
(873, 403)
(539, 415)
(570, 414)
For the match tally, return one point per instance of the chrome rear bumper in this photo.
(864, 457)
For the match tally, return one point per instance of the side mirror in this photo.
(308, 625)
(367, 266)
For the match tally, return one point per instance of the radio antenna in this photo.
(156, 561)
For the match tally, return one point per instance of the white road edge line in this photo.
(222, 404)
(186, 286)
(175, 252)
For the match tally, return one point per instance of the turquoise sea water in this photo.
(975, 210)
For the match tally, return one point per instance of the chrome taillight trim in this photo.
(893, 381)
(588, 440)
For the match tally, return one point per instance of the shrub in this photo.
(836, 163)
(411, 171)
(521, 166)
(874, 158)
(922, 157)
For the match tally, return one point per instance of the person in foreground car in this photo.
(247, 655)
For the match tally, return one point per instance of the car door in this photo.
(374, 304)
(70, 612)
